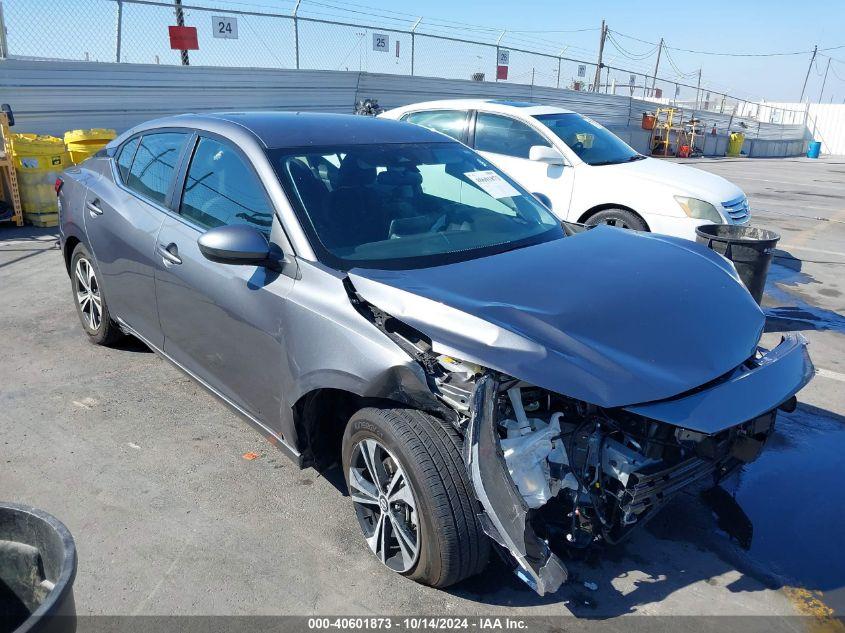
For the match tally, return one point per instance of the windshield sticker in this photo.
(492, 183)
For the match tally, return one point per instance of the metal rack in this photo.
(9, 190)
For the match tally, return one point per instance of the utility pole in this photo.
(597, 79)
(698, 89)
(824, 81)
(180, 21)
(656, 66)
(812, 59)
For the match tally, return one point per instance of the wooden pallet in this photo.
(9, 190)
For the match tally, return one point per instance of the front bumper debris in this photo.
(505, 519)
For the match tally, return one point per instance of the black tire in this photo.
(452, 545)
(103, 331)
(618, 217)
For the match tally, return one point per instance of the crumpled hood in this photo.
(608, 316)
(681, 179)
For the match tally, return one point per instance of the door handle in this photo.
(93, 209)
(169, 253)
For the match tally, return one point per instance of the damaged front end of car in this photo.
(586, 401)
(555, 474)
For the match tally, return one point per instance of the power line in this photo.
(724, 54)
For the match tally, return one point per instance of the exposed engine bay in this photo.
(582, 475)
(555, 474)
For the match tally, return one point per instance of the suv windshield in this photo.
(593, 144)
(408, 205)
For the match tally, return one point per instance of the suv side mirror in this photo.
(235, 244)
(544, 154)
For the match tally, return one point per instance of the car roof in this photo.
(505, 106)
(302, 129)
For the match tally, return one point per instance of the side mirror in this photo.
(235, 244)
(544, 199)
(543, 154)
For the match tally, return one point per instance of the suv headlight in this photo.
(699, 209)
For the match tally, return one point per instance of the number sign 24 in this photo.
(225, 27)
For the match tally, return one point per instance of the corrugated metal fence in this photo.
(51, 97)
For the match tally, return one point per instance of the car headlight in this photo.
(699, 209)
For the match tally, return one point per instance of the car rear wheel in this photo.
(90, 303)
(411, 495)
(622, 218)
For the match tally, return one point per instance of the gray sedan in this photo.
(374, 294)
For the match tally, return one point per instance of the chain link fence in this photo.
(294, 37)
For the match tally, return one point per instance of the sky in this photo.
(757, 26)
(85, 29)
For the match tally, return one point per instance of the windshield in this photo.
(408, 205)
(593, 144)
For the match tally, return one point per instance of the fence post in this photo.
(296, 34)
(498, 41)
(413, 47)
(118, 31)
(4, 48)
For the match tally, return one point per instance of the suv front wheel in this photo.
(412, 496)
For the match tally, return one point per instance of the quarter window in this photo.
(124, 159)
(450, 122)
(222, 189)
(503, 135)
(154, 165)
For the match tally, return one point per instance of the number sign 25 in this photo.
(225, 27)
(381, 42)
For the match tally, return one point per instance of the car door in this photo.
(123, 215)
(506, 142)
(222, 322)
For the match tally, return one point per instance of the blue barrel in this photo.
(814, 150)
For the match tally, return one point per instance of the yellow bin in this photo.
(735, 143)
(84, 143)
(38, 162)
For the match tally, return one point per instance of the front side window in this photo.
(154, 165)
(591, 142)
(408, 205)
(221, 189)
(124, 159)
(504, 135)
(450, 122)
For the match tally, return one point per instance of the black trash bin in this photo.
(37, 569)
(749, 248)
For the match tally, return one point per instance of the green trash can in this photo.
(750, 249)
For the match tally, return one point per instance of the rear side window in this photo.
(503, 135)
(154, 166)
(221, 188)
(450, 122)
(124, 158)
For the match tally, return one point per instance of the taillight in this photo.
(58, 185)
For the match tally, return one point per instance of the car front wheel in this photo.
(90, 302)
(411, 495)
(622, 218)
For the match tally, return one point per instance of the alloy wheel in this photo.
(385, 506)
(88, 294)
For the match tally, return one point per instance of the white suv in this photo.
(584, 172)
